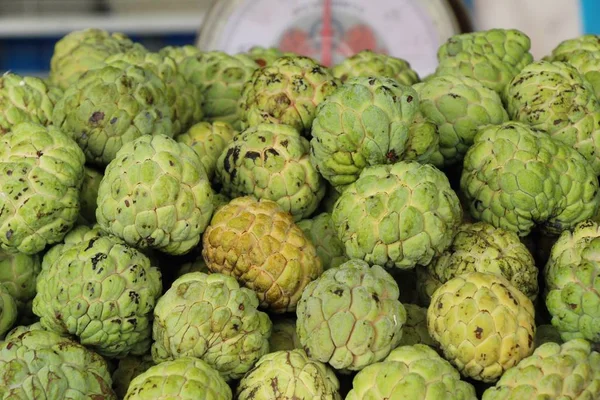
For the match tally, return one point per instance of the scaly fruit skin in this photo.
(179, 53)
(210, 317)
(321, 232)
(481, 247)
(265, 56)
(555, 98)
(19, 330)
(184, 98)
(221, 77)
(259, 244)
(8, 310)
(459, 105)
(289, 375)
(492, 57)
(515, 177)
(41, 170)
(368, 64)
(414, 372)
(127, 369)
(350, 316)
(414, 330)
(76, 235)
(270, 161)
(26, 99)
(155, 194)
(283, 335)
(42, 365)
(553, 371)
(103, 292)
(363, 123)
(111, 106)
(185, 378)
(18, 274)
(483, 324)
(208, 141)
(399, 215)
(572, 283)
(89, 194)
(286, 92)
(80, 51)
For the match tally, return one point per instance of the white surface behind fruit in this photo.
(547, 22)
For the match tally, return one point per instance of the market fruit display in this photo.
(210, 317)
(350, 316)
(182, 224)
(286, 92)
(271, 161)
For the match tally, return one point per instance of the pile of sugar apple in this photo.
(185, 224)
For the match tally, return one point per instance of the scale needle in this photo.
(326, 34)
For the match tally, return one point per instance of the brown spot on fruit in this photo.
(96, 117)
(478, 332)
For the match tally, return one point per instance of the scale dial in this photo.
(331, 30)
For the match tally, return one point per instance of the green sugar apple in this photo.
(111, 106)
(41, 171)
(493, 57)
(350, 316)
(368, 63)
(321, 232)
(286, 92)
(398, 215)
(515, 177)
(155, 195)
(271, 161)
(18, 275)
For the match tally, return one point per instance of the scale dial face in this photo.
(332, 30)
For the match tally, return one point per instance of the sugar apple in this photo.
(271, 161)
(155, 194)
(515, 177)
(185, 378)
(259, 244)
(458, 105)
(368, 63)
(414, 372)
(179, 53)
(414, 330)
(492, 57)
(88, 198)
(286, 92)
(127, 369)
(8, 310)
(111, 106)
(399, 215)
(185, 99)
(553, 371)
(481, 247)
(76, 235)
(18, 274)
(582, 52)
(221, 77)
(84, 50)
(365, 122)
(484, 325)
(283, 335)
(265, 56)
(546, 333)
(43, 365)
(212, 318)
(572, 276)
(26, 99)
(20, 329)
(289, 375)
(102, 291)
(555, 98)
(350, 316)
(208, 141)
(321, 232)
(41, 171)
